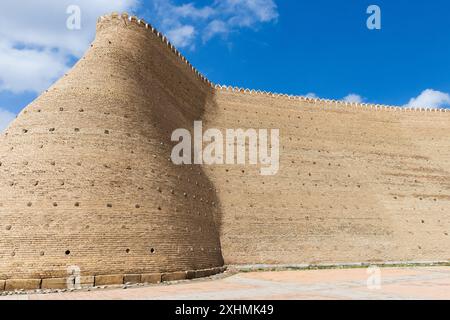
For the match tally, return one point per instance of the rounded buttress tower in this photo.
(86, 181)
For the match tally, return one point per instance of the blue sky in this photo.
(319, 47)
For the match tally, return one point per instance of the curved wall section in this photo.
(86, 178)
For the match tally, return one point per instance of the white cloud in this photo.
(35, 43)
(311, 95)
(29, 69)
(430, 99)
(353, 98)
(182, 36)
(5, 119)
(221, 17)
(214, 28)
(190, 11)
(246, 13)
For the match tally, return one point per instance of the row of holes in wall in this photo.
(155, 124)
(67, 252)
(151, 251)
(225, 109)
(35, 183)
(108, 205)
(53, 130)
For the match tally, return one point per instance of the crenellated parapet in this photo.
(328, 102)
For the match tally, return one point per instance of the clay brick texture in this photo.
(86, 178)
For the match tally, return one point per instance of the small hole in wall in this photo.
(67, 252)
(127, 251)
(152, 250)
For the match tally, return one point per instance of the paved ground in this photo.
(396, 283)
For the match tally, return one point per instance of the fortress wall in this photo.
(355, 184)
(85, 168)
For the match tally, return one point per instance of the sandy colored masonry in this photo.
(86, 178)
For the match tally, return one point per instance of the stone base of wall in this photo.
(285, 267)
(106, 280)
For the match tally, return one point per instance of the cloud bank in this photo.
(430, 98)
(36, 46)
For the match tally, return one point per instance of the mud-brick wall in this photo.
(356, 183)
(86, 178)
(85, 175)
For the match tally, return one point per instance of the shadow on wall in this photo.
(172, 96)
